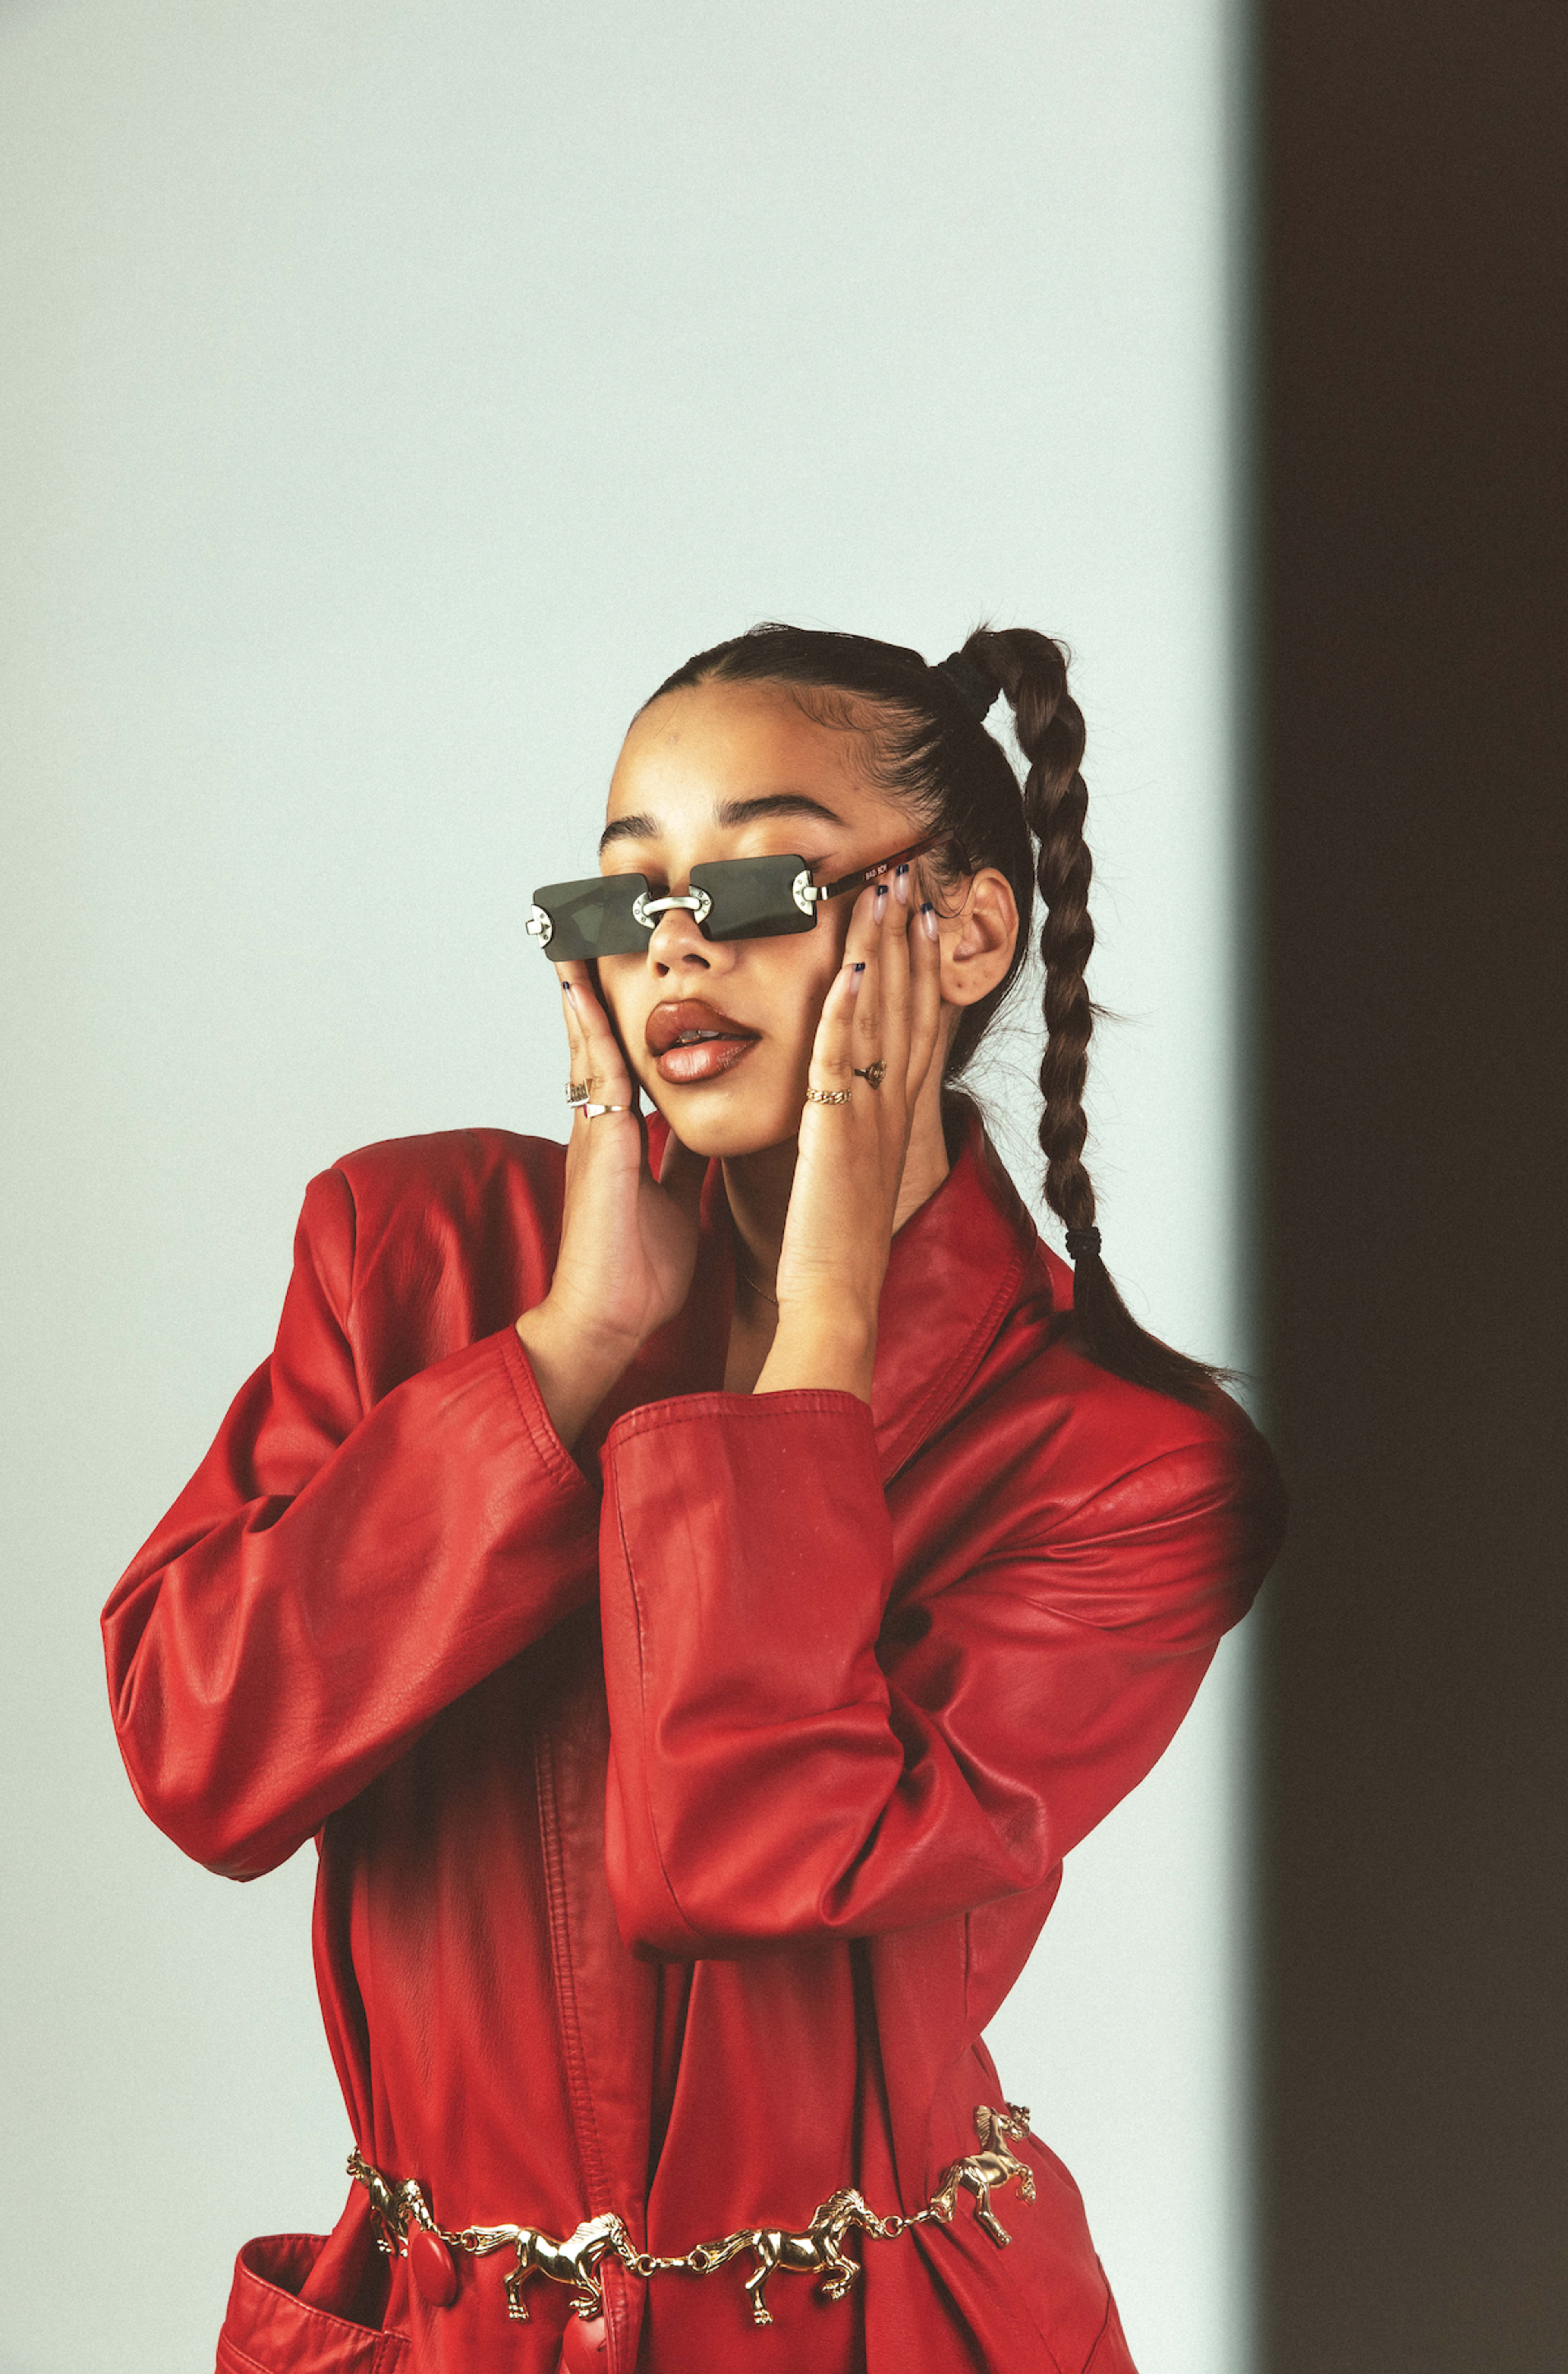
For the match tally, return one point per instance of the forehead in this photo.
(691, 751)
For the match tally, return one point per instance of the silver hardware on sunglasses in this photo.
(645, 910)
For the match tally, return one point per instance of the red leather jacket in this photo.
(684, 1815)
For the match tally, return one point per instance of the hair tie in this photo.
(1081, 1241)
(970, 681)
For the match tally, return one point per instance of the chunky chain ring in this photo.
(409, 2230)
(827, 1096)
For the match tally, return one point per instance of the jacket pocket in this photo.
(270, 2329)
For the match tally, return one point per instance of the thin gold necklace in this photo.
(755, 1287)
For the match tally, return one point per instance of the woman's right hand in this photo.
(629, 1241)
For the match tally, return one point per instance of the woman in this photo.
(694, 1683)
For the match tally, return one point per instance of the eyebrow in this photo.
(729, 813)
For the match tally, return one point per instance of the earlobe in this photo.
(978, 955)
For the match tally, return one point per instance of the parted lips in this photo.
(689, 1017)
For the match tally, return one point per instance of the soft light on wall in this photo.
(397, 391)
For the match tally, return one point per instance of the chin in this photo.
(723, 1131)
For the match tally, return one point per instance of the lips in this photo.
(692, 1040)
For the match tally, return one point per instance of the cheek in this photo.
(801, 980)
(617, 979)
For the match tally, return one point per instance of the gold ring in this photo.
(873, 1074)
(592, 1112)
(577, 1091)
(827, 1096)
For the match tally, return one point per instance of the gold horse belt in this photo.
(409, 2230)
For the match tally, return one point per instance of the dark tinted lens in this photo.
(753, 898)
(593, 917)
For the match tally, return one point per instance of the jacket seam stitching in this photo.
(228, 2341)
(678, 1409)
(1104, 2329)
(346, 1317)
(590, 2151)
(320, 2316)
(561, 1469)
(693, 1934)
(952, 1384)
(1126, 1475)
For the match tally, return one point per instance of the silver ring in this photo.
(592, 1112)
(577, 1091)
(873, 1074)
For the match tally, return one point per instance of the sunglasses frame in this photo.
(698, 902)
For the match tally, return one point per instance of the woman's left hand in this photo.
(883, 1009)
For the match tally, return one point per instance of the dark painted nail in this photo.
(860, 967)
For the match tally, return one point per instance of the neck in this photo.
(758, 1185)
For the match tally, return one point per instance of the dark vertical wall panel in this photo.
(1415, 618)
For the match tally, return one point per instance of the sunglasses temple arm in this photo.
(858, 880)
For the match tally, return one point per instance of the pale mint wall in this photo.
(392, 393)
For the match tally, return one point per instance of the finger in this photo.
(865, 1025)
(925, 988)
(865, 925)
(833, 1051)
(568, 975)
(895, 980)
(597, 1050)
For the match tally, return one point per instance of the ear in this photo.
(979, 939)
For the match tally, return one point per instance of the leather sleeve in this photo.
(334, 1576)
(791, 1756)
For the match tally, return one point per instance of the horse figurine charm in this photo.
(573, 2262)
(391, 2209)
(992, 2164)
(818, 2251)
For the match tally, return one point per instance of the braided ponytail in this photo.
(924, 741)
(1030, 670)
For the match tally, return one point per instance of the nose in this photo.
(676, 946)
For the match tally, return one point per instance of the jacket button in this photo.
(432, 2267)
(582, 2346)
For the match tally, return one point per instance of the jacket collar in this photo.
(955, 1270)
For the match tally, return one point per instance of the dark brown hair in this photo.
(924, 743)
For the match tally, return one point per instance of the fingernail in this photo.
(901, 883)
(879, 901)
(569, 992)
(928, 917)
(855, 973)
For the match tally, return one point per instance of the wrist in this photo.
(574, 1366)
(833, 1352)
(581, 1336)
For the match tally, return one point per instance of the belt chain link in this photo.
(407, 2227)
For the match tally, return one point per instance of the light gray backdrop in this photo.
(395, 391)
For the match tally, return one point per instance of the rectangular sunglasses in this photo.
(733, 898)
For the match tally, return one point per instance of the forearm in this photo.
(270, 1652)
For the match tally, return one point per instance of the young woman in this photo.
(694, 1683)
